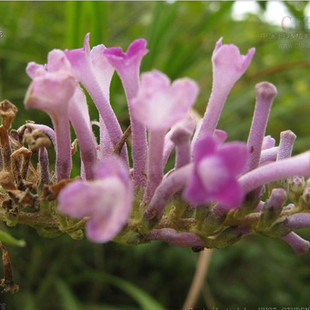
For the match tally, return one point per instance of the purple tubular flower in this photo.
(220, 135)
(106, 145)
(181, 239)
(268, 155)
(186, 122)
(51, 93)
(79, 118)
(298, 221)
(268, 142)
(77, 108)
(78, 114)
(172, 184)
(158, 106)
(106, 201)
(127, 66)
(287, 139)
(181, 135)
(298, 244)
(95, 73)
(298, 165)
(265, 93)
(44, 165)
(216, 168)
(228, 66)
(33, 69)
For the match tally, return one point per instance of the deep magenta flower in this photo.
(106, 201)
(216, 168)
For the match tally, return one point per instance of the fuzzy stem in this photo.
(268, 142)
(86, 141)
(44, 163)
(154, 163)
(183, 154)
(199, 278)
(265, 93)
(168, 147)
(287, 139)
(168, 187)
(298, 221)
(269, 155)
(106, 146)
(105, 110)
(213, 112)
(130, 81)
(298, 244)
(294, 166)
(63, 146)
(181, 239)
(181, 139)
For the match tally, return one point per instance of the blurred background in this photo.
(257, 272)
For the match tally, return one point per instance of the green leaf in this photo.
(141, 297)
(73, 23)
(68, 299)
(159, 32)
(26, 301)
(144, 300)
(8, 239)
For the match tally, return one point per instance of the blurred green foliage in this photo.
(257, 272)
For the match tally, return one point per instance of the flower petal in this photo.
(204, 147)
(110, 211)
(51, 92)
(74, 199)
(230, 195)
(158, 105)
(234, 156)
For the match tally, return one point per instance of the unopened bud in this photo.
(296, 187)
(273, 207)
(306, 196)
(228, 237)
(279, 229)
(77, 234)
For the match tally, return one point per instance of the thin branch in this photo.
(122, 141)
(198, 280)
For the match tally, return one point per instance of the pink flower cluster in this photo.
(209, 172)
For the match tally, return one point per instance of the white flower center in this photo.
(212, 172)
